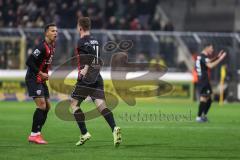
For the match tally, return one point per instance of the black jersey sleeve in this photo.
(89, 51)
(85, 47)
(35, 58)
(204, 59)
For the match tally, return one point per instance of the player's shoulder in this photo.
(39, 48)
(93, 40)
(41, 44)
(202, 55)
(204, 58)
(87, 40)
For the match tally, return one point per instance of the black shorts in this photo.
(94, 90)
(204, 89)
(37, 89)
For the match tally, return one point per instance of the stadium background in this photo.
(156, 28)
(169, 32)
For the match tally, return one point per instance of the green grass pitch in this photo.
(144, 136)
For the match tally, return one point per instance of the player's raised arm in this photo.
(215, 62)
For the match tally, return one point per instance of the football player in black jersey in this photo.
(38, 64)
(202, 66)
(90, 83)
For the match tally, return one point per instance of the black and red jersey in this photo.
(40, 60)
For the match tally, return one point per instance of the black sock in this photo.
(38, 118)
(45, 113)
(201, 108)
(107, 114)
(80, 118)
(208, 105)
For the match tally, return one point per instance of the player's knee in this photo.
(73, 105)
(42, 104)
(73, 102)
(204, 99)
(101, 105)
(74, 108)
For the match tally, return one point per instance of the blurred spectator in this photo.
(123, 24)
(113, 14)
(144, 10)
(135, 25)
(168, 26)
(96, 14)
(130, 9)
(156, 25)
(110, 9)
(141, 58)
(3, 59)
(64, 14)
(1, 13)
(112, 23)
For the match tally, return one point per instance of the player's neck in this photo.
(86, 33)
(205, 53)
(49, 41)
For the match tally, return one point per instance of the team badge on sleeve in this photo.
(36, 52)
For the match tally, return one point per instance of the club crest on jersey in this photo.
(38, 92)
(49, 61)
(36, 52)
